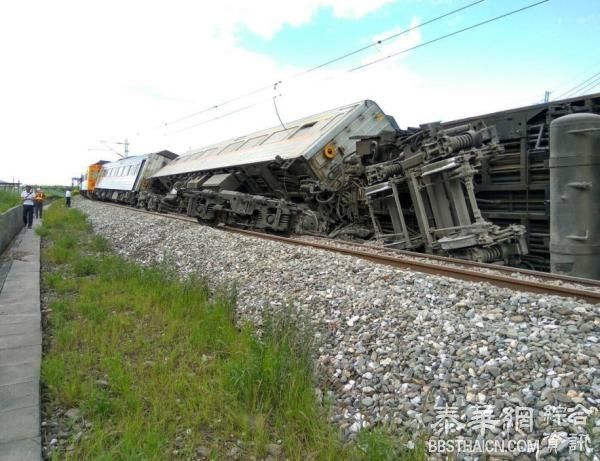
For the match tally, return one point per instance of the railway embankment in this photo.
(140, 363)
(412, 352)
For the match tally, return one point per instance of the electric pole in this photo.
(546, 97)
(125, 146)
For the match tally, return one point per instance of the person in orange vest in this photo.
(39, 203)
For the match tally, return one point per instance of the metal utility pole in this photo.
(546, 96)
(125, 147)
(108, 146)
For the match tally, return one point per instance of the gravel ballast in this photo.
(393, 346)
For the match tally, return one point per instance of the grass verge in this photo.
(141, 365)
(8, 199)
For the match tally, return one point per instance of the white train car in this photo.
(312, 147)
(121, 181)
(277, 179)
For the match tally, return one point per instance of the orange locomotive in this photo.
(89, 178)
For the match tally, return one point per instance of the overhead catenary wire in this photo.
(589, 86)
(320, 66)
(442, 37)
(227, 114)
(597, 83)
(379, 42)
(578, 87)
(564, 83)
(437, 39)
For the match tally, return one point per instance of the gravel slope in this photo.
(394, 344)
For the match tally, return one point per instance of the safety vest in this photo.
(40, 196)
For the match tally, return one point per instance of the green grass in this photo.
(8, 199)
(158, 366)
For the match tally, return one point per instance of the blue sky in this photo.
(553, 42)
(80, 72)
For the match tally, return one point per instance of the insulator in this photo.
(463, 141)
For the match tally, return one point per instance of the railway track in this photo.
(501, 276)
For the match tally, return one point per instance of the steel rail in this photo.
(462, 273)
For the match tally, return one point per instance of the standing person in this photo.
(28, 202)
(68, 197)
(39, 203)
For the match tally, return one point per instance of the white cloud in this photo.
(407, 37)
(76, 72)
(267, 17)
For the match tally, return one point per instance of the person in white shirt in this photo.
(68, 197)
(28, 197)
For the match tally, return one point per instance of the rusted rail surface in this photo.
(436, 265)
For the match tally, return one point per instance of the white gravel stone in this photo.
(411, 341)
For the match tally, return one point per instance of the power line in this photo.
(217, 106)
(320, 66)
(376, 61)
(568, 81)
(577, 87)
(227, 114)
(597, 83)
(589, 86)
(379, 42)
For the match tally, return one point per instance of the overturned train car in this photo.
(513, 185)
(348, 172)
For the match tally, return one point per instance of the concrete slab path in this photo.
(20, 349)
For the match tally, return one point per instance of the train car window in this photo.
(279, 135)
(303, 128)
(201, 153)
(254, 141)
(231, 147)
(331, 121)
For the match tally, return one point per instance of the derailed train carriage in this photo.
(348, 172)
(467, 188)
(123, 180)
(513, 186)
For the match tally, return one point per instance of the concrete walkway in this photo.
(20, 349)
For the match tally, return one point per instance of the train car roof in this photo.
(304, 137)
(138, 158)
